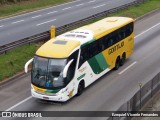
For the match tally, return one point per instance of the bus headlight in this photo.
(62, 91)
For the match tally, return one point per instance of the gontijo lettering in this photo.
(115, 48)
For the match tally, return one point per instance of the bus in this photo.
(68, 63)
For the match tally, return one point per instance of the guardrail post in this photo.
(158, 80)
(152, 91)
(140, 85)
(53, 31)
(152, 87)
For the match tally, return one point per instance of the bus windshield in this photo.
(48, 73)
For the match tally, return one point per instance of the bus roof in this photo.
(56, 48)
(72, 39)
(106, 25)
(96, 30)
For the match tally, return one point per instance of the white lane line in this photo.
(45, 22)
(41, 10)
(36, 16)
(135, 38)
(127, 68)
(147, 30)
(1, 26)
(67, 8)
(99, 6)
(52, 12)
(79, 5)
(17, 21)
(14, 106)
(92, 1)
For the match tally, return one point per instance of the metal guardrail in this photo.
(140, 98)
(46, 35)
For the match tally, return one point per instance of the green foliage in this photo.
(139, 10)
(10, 7)
(14, 61)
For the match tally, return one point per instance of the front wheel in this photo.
(80, 88)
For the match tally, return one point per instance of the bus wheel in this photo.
(80, 88)
(117, 64)
(123, 59)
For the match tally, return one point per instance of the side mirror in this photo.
(27, 64)
(66, 68)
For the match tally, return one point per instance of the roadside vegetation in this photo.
(10, 7)
(14, 61)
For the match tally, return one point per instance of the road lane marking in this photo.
(36, 16)
(17, 21)
(1, 26)
(67, 8)
(52, 12)
(40, 10)
(135, 38)
(45, 22)
(147, 30)
(14, 106)
(99, 6)
(127, 68)
(92, 1)
(79, 5)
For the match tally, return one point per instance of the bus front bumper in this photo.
(59, 97)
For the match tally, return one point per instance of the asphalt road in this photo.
(22, 26)
(106, 94)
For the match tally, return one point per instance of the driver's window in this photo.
(72, 67)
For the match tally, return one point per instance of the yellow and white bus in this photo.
(70, 62)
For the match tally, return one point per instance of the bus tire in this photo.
(117, 63)
(123, 59)
(80, 88)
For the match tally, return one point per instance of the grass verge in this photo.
(13, 62)
(27, 6)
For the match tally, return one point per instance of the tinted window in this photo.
(72, 67)
(103, 43)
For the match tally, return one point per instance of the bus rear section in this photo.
(120, 46)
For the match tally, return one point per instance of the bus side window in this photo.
(83, 56)
(129, 29)
(95, 48)
(115, 37)
(121, 35)
(101, 45)
(110, 41)
(89, 52)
